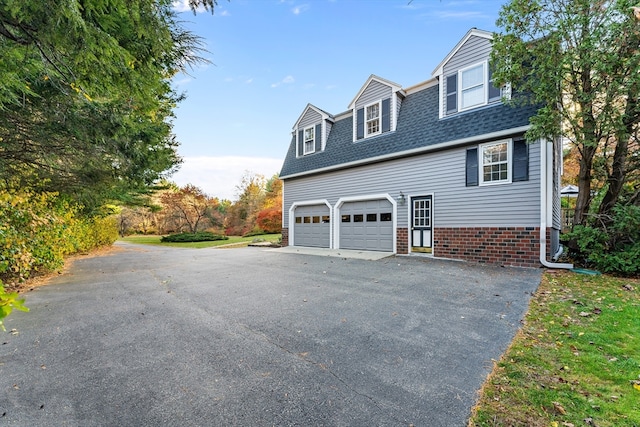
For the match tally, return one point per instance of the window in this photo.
(385, 216)
(373, 119)
(309, 140)
(325, 219)
(495, 163)
(472, 90)
(495, 93)
(346, 218)
(372, 125)
(307, 220)
(316, 220)
(358, 218)
(498, 162)
(298, 220)
(372, 217)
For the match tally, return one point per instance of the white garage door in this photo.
(312, 226)
(367, 225)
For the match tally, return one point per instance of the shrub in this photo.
(39, 229)
(8, 302)
(255, 233)
(201, 236)
(611, 245)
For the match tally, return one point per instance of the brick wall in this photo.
(285, 237)
(514, 246)
(402, 240)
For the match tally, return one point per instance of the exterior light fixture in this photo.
(401, 199)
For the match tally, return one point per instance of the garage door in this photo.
(367, 225)
(311, 226)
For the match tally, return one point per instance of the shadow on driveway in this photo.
(151, 336)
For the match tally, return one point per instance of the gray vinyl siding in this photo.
(475, 50)
(441, 174)
(310, 118)
(374, 92)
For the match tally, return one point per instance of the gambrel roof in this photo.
(419, 130)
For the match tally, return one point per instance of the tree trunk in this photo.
(584, 185)
(618, 174)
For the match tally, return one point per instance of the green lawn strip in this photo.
(576, 360)
(232, 241)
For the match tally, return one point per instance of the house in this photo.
(439, 169)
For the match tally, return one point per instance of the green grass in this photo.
(232, 241)
(576, 360)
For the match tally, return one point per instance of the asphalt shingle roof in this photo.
(418, 127)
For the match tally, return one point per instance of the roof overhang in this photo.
(413, 152)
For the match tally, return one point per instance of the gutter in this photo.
(546, 151)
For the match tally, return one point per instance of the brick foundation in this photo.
(402, 239)
(513, 246)
(285, 237)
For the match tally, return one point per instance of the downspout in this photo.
(546, 151)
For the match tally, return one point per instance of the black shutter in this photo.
(452, 93)
(520, 160)
(300, 143)
(360, 124)
(472, 167)
(318, 135)
(386, 115)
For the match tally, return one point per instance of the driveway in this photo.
(153, 336)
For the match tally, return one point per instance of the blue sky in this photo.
(270, 58)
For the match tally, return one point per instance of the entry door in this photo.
(421, 224)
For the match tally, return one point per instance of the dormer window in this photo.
(472, 87)
(309, 140)
(373, 119)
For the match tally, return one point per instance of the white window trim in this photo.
(366, 128)
(481, 148)
(485, 83)
(305, 140)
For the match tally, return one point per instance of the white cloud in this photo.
(219, 176)
(286, 80)
(297, 10)
(181, 5)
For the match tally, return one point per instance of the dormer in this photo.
(375, 108)
(465, 78)
(311, 130)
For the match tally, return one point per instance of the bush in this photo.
(611, 246)
(255, 233)
(201, 236)
(8, 302)
(39, 229)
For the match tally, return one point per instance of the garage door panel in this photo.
(369, 225)
(312, 226)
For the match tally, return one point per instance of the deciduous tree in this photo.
(579, 60)
(190, 209)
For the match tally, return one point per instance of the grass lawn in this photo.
(576, 360)
(233, 240)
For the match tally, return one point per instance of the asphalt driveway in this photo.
(152, 336)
